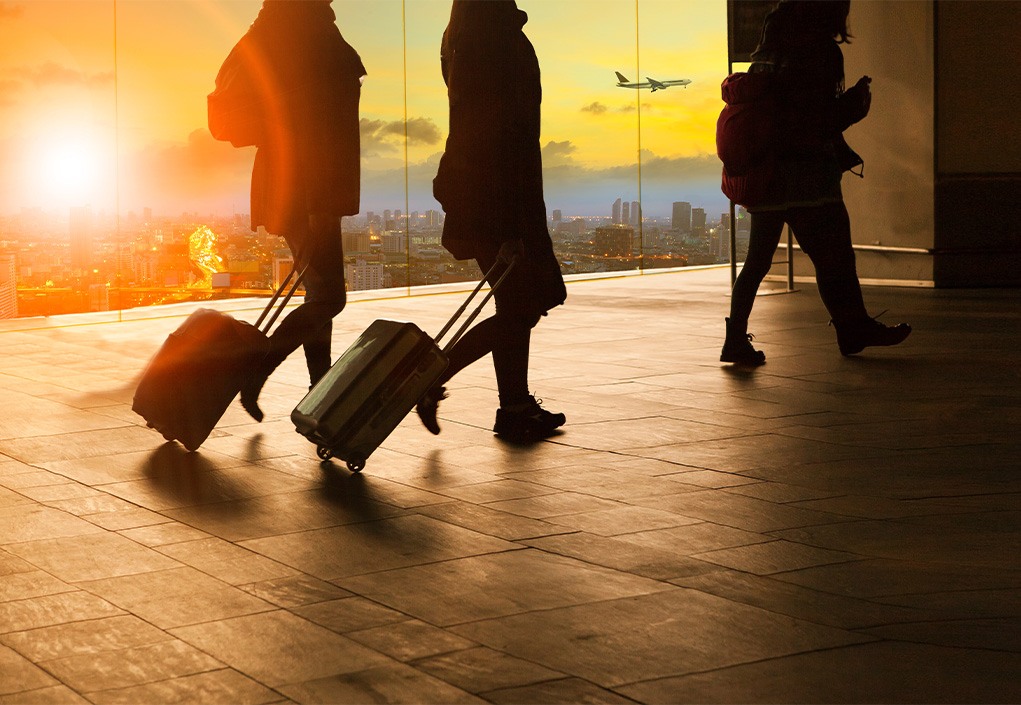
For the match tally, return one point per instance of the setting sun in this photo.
(71, 169)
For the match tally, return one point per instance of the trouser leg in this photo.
(766, 228)
(310, 324)
(824, 233)
(507, 335)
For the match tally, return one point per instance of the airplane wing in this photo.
(652, 83)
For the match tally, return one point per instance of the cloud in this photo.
(381, 137)
(630, 107)
(192, 175)
(53, 74)
(597, 108)
(10, 11)
(558, 153)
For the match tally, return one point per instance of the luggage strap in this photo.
(478, 309)
(276, 295)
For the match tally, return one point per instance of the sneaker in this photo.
(853, 337)
(741, 352)
(527, 425)
(428, 406)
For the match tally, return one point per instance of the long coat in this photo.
(489, 180)
(309, 78)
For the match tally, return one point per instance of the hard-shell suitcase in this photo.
(200, 368)
(375, 383)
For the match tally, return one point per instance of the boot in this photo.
(428, 406)
(854, 335)
(737, 348)
(253, 385)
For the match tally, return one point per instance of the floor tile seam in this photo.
(123, 613)
(782, 539)
(45, 665)
(417, 664)
(745, 664)
(487, 694)
(567, 530)
(948, 645)
(89, 695)
(665, 581)
(82, 585)
(408, 662)
(806, 505)
(337, 579)
(665, 587)
(165, 630)
(864, 602)
(876, 598)
(168, 637)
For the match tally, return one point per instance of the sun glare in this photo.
(71, 170)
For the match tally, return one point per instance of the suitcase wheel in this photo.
(355, 464)
(324, 453)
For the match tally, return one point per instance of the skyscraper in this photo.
(636, 213)
(680, 220)
(80, 230)
(8, 287)
(697, 218)
(616, 212)
(625, 213)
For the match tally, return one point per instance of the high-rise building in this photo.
(616, 212)
(636, 213)
(99, 297)
(680, 220)
(357, 241)
(625, 213)
(698, 218)
(8, 287)
(80, 230)
(610, 241)
(364, 275)
(557, 217)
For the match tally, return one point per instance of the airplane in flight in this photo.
(652, 83)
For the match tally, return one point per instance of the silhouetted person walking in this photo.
(800, 45)
(490, 185)
(307, 171)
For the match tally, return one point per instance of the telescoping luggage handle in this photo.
(276, 295)
(478, 309)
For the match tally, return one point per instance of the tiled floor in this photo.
(822, 529)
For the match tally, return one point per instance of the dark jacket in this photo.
(309, 78)
(809, 76)
(490, 177)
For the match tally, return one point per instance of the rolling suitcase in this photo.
(200, 368)
(375, 383)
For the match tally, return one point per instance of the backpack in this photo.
(746, 134)
(233, 108)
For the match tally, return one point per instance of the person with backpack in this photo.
(306, 82)
(489, 183)
(798, 180)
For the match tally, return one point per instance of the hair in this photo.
(829, 16)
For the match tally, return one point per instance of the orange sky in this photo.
(74, 102)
